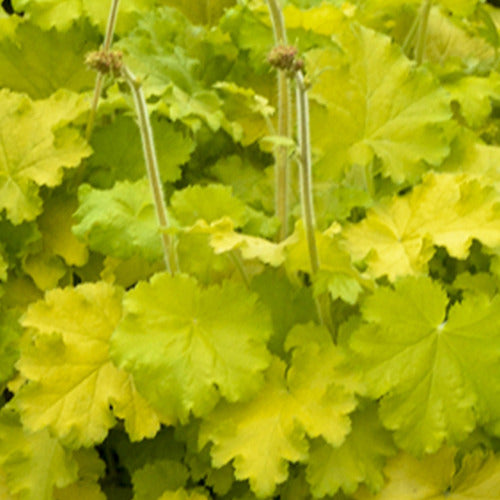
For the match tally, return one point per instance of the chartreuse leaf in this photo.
(33, 462)
(422, 362)
(224, 238)
(181, 350)
(263, 434)
(156, 51)
(55, 224)
(220, 480)
(27, 62)
(448, 210)
(460, 7)
(216, 203)
(323, 395)
(245, 111)
(10, 332)
(182, 494)
(474, 95)
(450, 44)
(336, 275)
(19, 239)
(249, 182)
(59, 246)
(201, 12)
(435, 478)
(154, 478)
(126, 273)
(45, 269)
(118, 150)
(90, 469)
(325, 18)
(193, 110)
(198, 258)
(289, 304)
(207, 53)
(119, 222)
(34, 150)
(250, 32)
(260, 436)
(72, 383)
(358, 460)
(208, 203)
(62, 13)
(375, 103)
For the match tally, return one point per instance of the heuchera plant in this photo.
(249, 250)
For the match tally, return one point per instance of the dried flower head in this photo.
(284, 57)
(106, 62)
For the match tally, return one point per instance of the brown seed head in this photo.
(106, 62)
(284, 57)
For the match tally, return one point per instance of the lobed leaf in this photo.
(33, 463)
(375, 103)
(182, 353)
(72, 384)
(119, 222)
(34, 149)
(448, 210)
(261, 435)
(435, 477)
(421, 362)
(27, 62)
(358, 460)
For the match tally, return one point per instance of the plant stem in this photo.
(306, 192)
(284, 125)
(422, 30)
(108, 38)
(170, 256)
(410, 36)
(305, 170)
(278, 22)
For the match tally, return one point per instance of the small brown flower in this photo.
(106, 62)
(284, 57)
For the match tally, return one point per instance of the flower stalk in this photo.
(305, 170)
(111, 62)
(284, 125)
(284, 57)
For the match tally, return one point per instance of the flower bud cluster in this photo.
(284, 57)
(105, 62)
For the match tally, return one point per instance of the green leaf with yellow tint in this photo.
(34, 463)
(34, 149)
(420, 360)
(180, 351)
(119, 222)
(449, 210)
(435, 477)
(375, 103)
(67, 326)
(358, 460)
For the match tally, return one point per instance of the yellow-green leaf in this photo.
(72, 382)
(34, 149)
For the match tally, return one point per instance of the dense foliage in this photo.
(346, 352)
